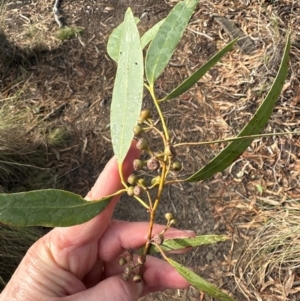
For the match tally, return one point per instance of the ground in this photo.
(68, 84)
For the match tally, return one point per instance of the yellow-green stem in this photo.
(160, 114)
(122, 176)
(236, 138)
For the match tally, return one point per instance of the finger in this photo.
(107, 183)
(121, 236)
(111, 289)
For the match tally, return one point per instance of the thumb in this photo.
(111, 289)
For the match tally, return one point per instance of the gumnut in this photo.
(177, 166)
(173, 221)
(141, 120)
(126, 277)
(137, 190)
(128, 256)
(158, 239)
(142, 144)
(169, 216)
(122, 260)
(137, 279)
(142, 182)
(170, 151)
(153, 164)
(132, 179)
(130, 191)
(138, 164)
(127, 270)
(141, 259)
(146, 114)
(156, 180)
(137, 130)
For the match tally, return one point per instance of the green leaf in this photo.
(228, 155)
(167, 37)
(48, 208)
(113, 43)
(189, 82)
(181, 243)
(199, 283)
(149, 35)
(128, 88)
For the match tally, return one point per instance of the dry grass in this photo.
(270, 266)
(14, 244)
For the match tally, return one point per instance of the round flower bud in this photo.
(137, 279)
(137, 130)
(127, 270)
(142, 182)
(153, 164)
(169, 216)
(173, 221)
(158, 239)
(138, 164)
(176, 166)
(125, 276)
(128, 256)
(130, 191)
(156, 180)
(145, 114)
(132, 179)
(137, 190)
(122, 260)
(142, 144)
(141, 259)
(170, 151)
(141, 120)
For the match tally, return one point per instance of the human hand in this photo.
(81, 262)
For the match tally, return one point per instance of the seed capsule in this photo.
(142, 144)
(142, 182)
(122, 260)
(137, 278)
(177, 166)
(137, 130)
(141, 259)
(128, 256)
(169, 216)
(137, 190)
(127, 270)
(125, 277)
(152, 164)
(158, 239)
(173, 221)
(156, 180)
(132, 179)
(146, 114)
(138, 164)
(130, 191)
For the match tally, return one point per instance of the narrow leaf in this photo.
(200, 283)
(128, 88)
(181, 243)
(189, 82)
(149, 35)
(48, 208)
(228, 155)
(167, 37)
(113, 43)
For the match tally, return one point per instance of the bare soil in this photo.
(70, 84)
